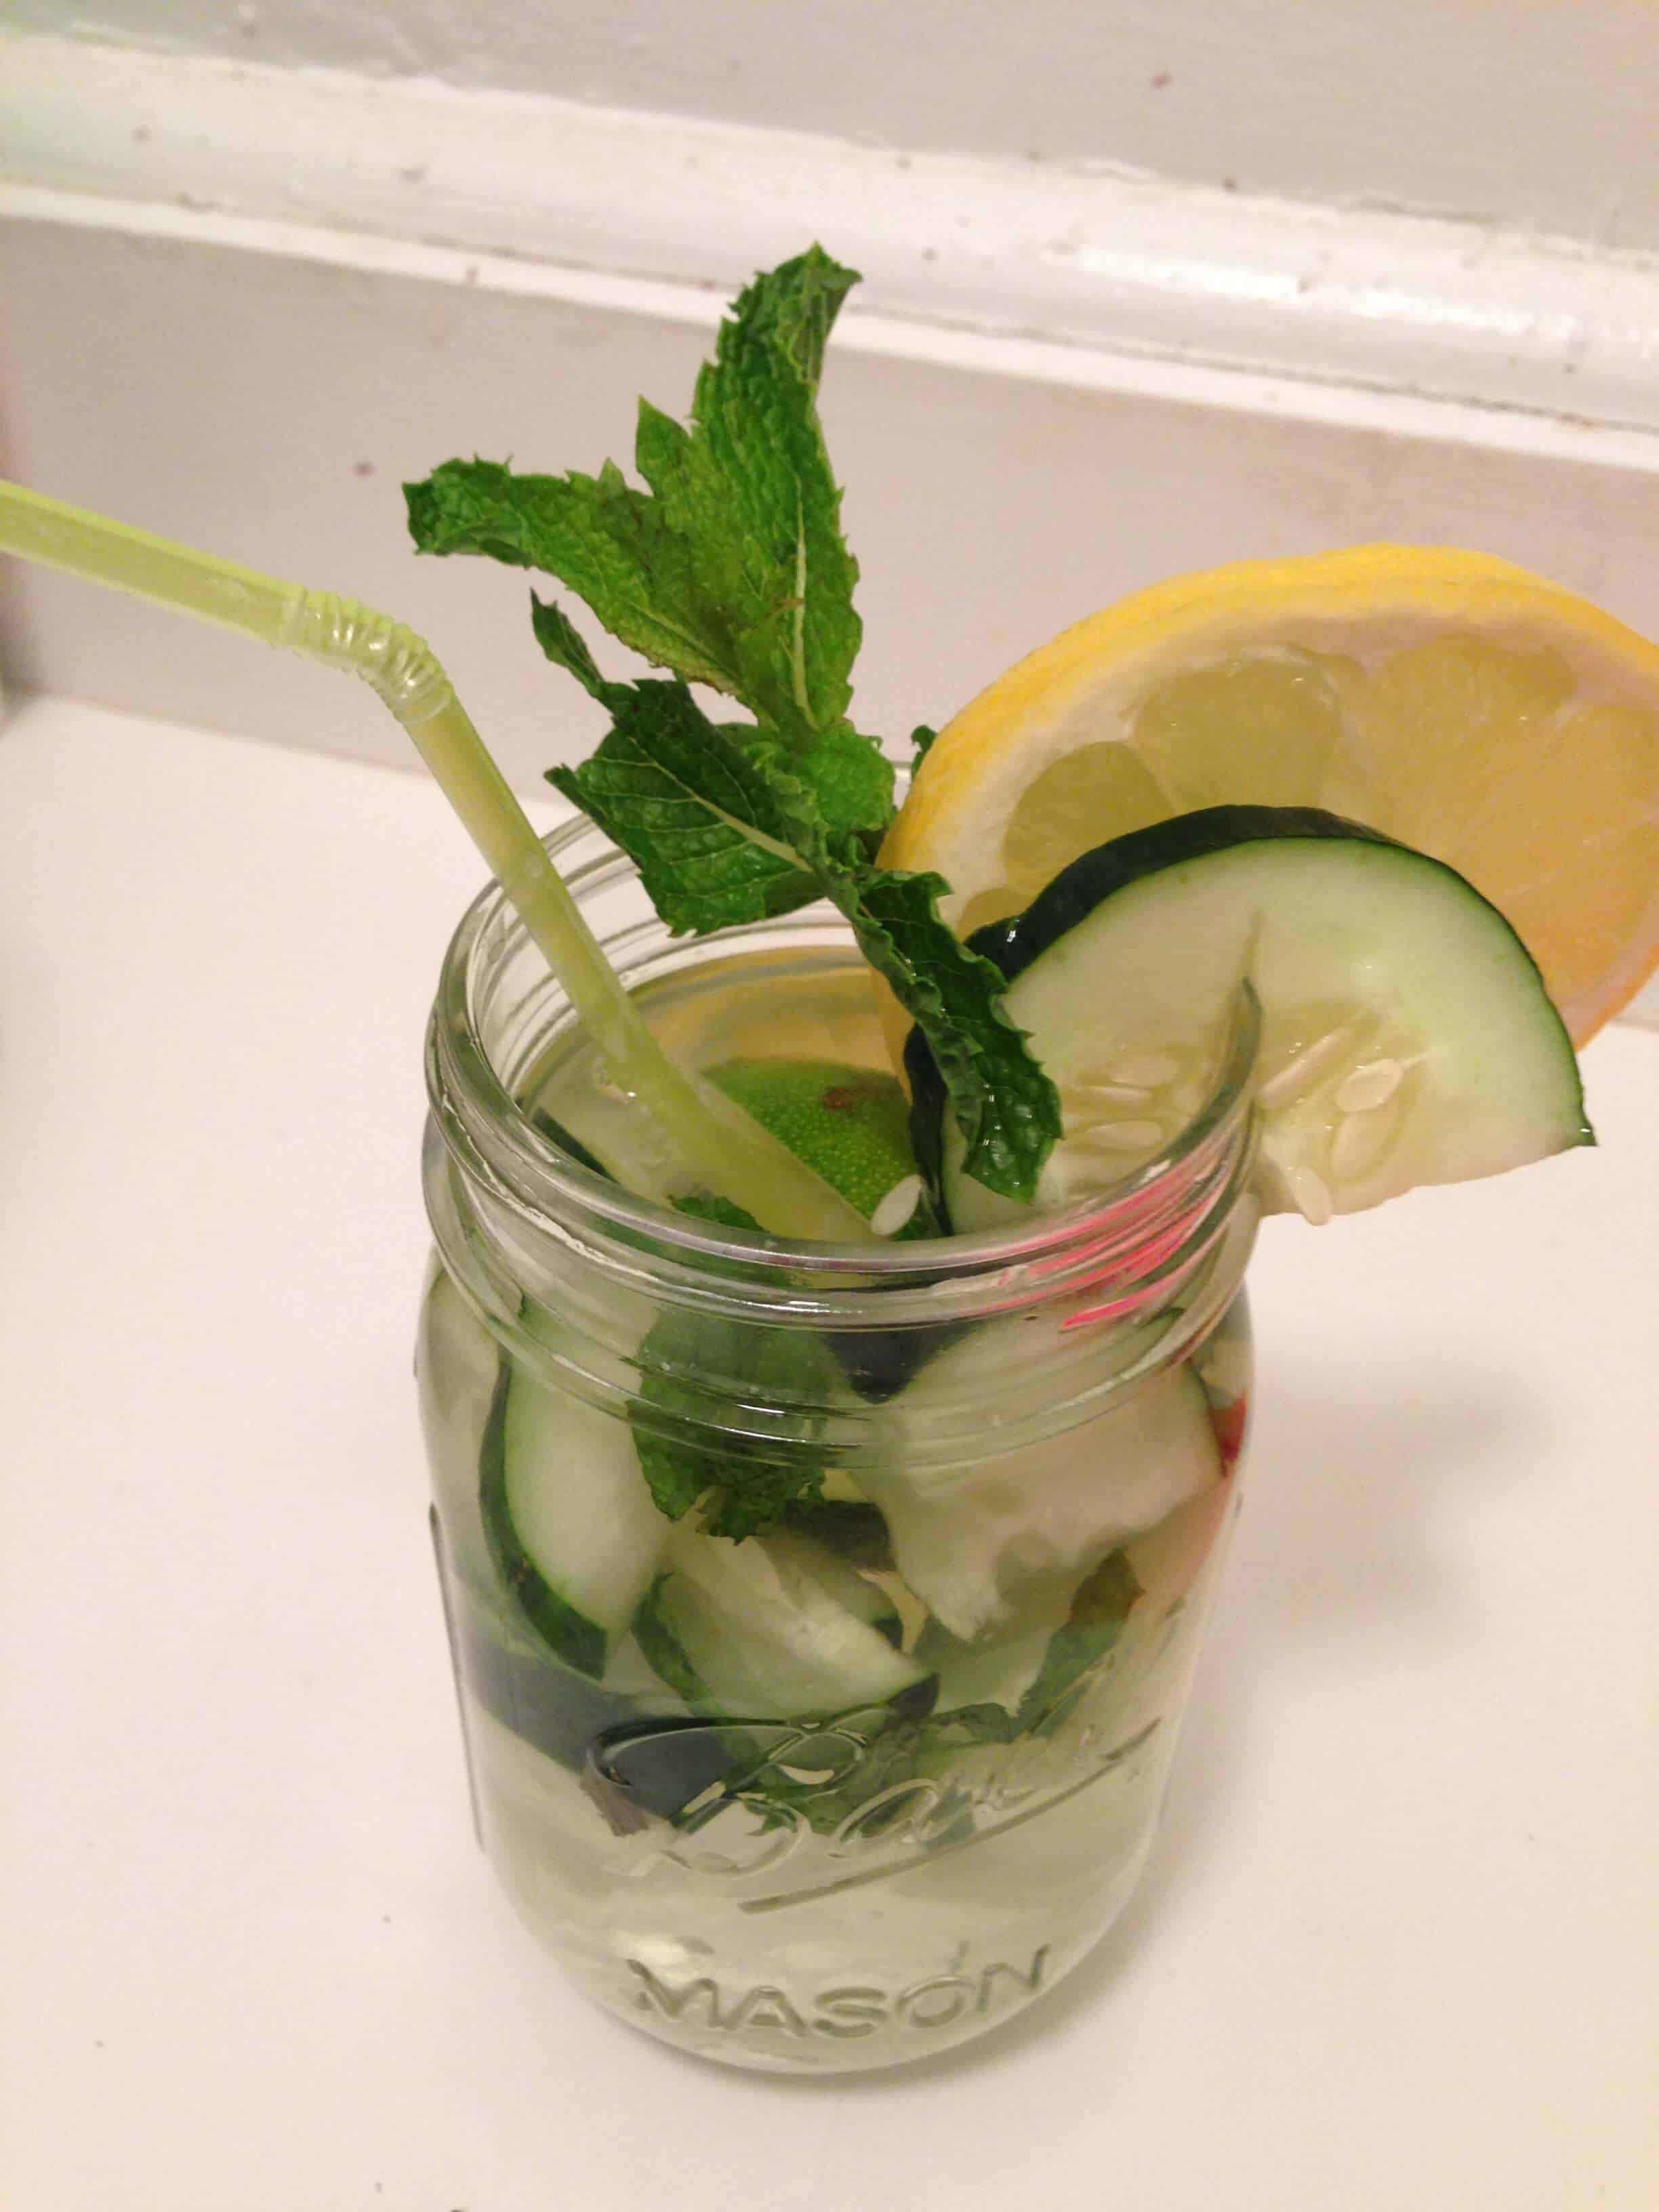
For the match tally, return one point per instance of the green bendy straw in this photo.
(721, 1146)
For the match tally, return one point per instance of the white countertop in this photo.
(1399, 1945)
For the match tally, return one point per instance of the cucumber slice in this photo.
(775, 1627)
(1004, 1543)
(457, 1366)
(572, 1528)
(810, 1550)
(1408, 1037)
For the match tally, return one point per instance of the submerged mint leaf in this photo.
(753, 1495)
(741, 1492)
(676, 1476)
(740, 1489)
(568, 1141)
(720, 1212)
(1065, 1670)
(1093, 1625)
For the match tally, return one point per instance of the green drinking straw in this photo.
(721, 1146)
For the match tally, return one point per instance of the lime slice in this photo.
(851, 1125)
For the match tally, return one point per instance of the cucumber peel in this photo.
(568, 1517)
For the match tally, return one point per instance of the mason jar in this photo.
(864, 1782)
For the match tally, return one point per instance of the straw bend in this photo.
(396, 662)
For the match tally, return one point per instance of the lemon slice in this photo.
(1469, 708)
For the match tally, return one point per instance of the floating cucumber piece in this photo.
(569, 1518)
(772, 1628)
(1006, 1540)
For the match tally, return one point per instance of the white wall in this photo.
(1534, 113)
(268, 406)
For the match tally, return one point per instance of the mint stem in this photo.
(721, 1146)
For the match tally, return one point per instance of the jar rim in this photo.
(493, 1139)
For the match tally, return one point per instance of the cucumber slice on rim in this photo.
(1407, 1034)
(774, 1627)
(574, 1530)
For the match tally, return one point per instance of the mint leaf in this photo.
(696, 813)
(794, 308)
(1006, 1108)
(753, 1496)
(749, 486)
(731, 571)
(564, 644)
(852, 782)
(721, 1212)
(723, 830)
(1098, 1612)
(921, 740)
(905, 1740)
(897, 1745)
(677, 1476)
(568, 1141)
(741, 1489)
(597, 534)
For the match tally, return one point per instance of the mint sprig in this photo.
(731, 572)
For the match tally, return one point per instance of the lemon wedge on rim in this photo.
(1464, 706)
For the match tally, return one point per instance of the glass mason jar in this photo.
(862, 1785)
